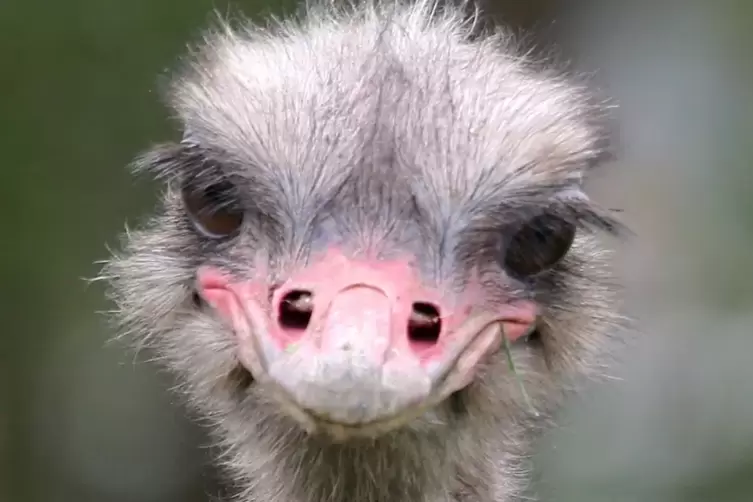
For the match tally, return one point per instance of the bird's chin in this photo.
(339, 431)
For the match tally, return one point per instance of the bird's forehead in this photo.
(409, 103)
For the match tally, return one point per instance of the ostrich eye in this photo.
(213, 209)
(538, 245)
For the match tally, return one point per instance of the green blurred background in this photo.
(82, 420)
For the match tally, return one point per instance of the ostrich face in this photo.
(362, 213)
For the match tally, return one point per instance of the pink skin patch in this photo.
(361, 311)
(371, 297)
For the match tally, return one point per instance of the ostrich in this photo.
(374, 269)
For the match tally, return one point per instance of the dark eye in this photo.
(538, 245)
(213, 209)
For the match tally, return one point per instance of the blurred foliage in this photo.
(80, 420)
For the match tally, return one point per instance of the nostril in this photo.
(196, 300)
(424, 324)
(295, 310)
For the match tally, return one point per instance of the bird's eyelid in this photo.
(576, 205)
(178, 161)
